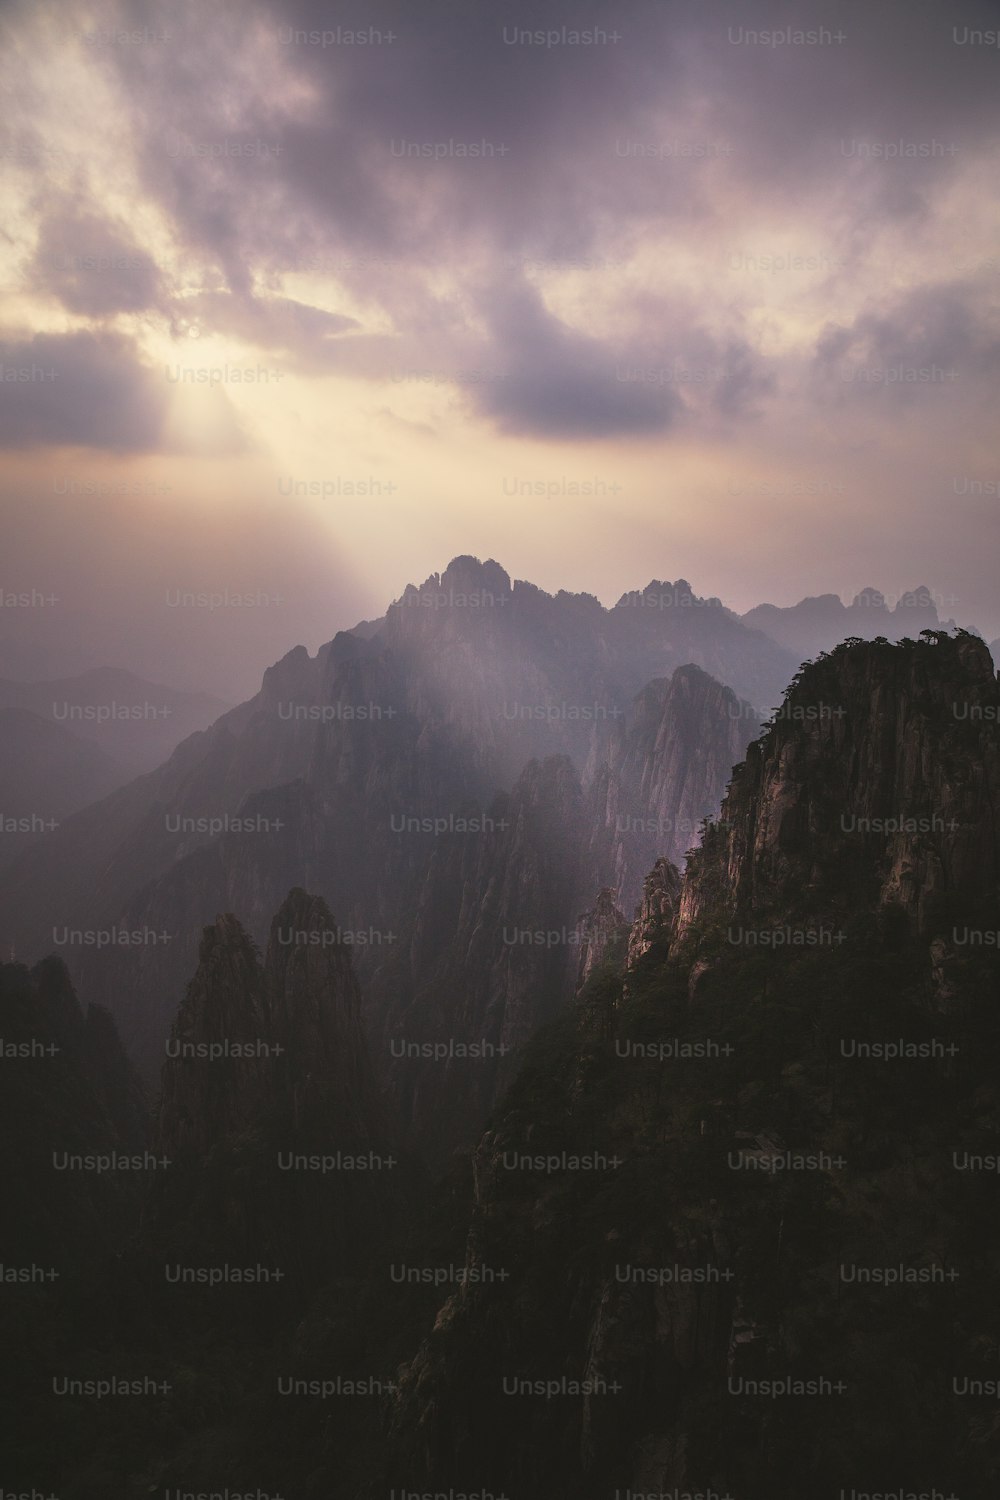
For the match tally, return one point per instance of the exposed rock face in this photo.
(331, 777)
(657, 913)
(449, 698)
(73, 1171)
(623, 1272)
(314, 1012)
(662, 774)
(452, 930)
(498, 918)
(650, 1358)
(492, 955)
(603, 931)
(878, 784)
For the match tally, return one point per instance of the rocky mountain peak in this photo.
(465, 576)
(267, 1063)
(221, 1010)
(603, 930)
(657, 912)
(878, 782)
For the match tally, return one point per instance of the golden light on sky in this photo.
(676, 307)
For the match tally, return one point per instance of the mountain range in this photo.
(68, 743)
(457, 779)
(632, 1242)
(820, 623)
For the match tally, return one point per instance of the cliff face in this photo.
(652, 1276)
(371, 774)
(468, 678)
(313, 1011)
(587, 1319)
(491, 954)
(635, 1255)
(662, 775)
(74, 1168)
(656, 917)
(462, 930)
(603, 931)
(879, 783)
(498, 944)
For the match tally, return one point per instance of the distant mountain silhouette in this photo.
(819, 623)
(46, 773)
(392, 775)
(135, 722)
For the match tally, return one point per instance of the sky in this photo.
(299, 301)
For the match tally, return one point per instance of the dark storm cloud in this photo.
(447, 77)
(272, 149)
(548, 380)
(934, 338)
(668, 161)
(79, 388)
(94, 267)
(450, 75)
(551, 381)
(806, 115)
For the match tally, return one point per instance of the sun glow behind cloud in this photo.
(679, 330)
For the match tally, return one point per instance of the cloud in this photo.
(278, 324)
(932, 338)
(83, 388)
(772, 135)
(663, 370)
(280, 208)
(545, 379)
(94, 267)
(268, 151)
(93, 390)
(338, 112)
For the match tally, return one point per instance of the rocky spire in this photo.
(657, 913)
(267, 1076)
(877, 785)
(603, 932)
